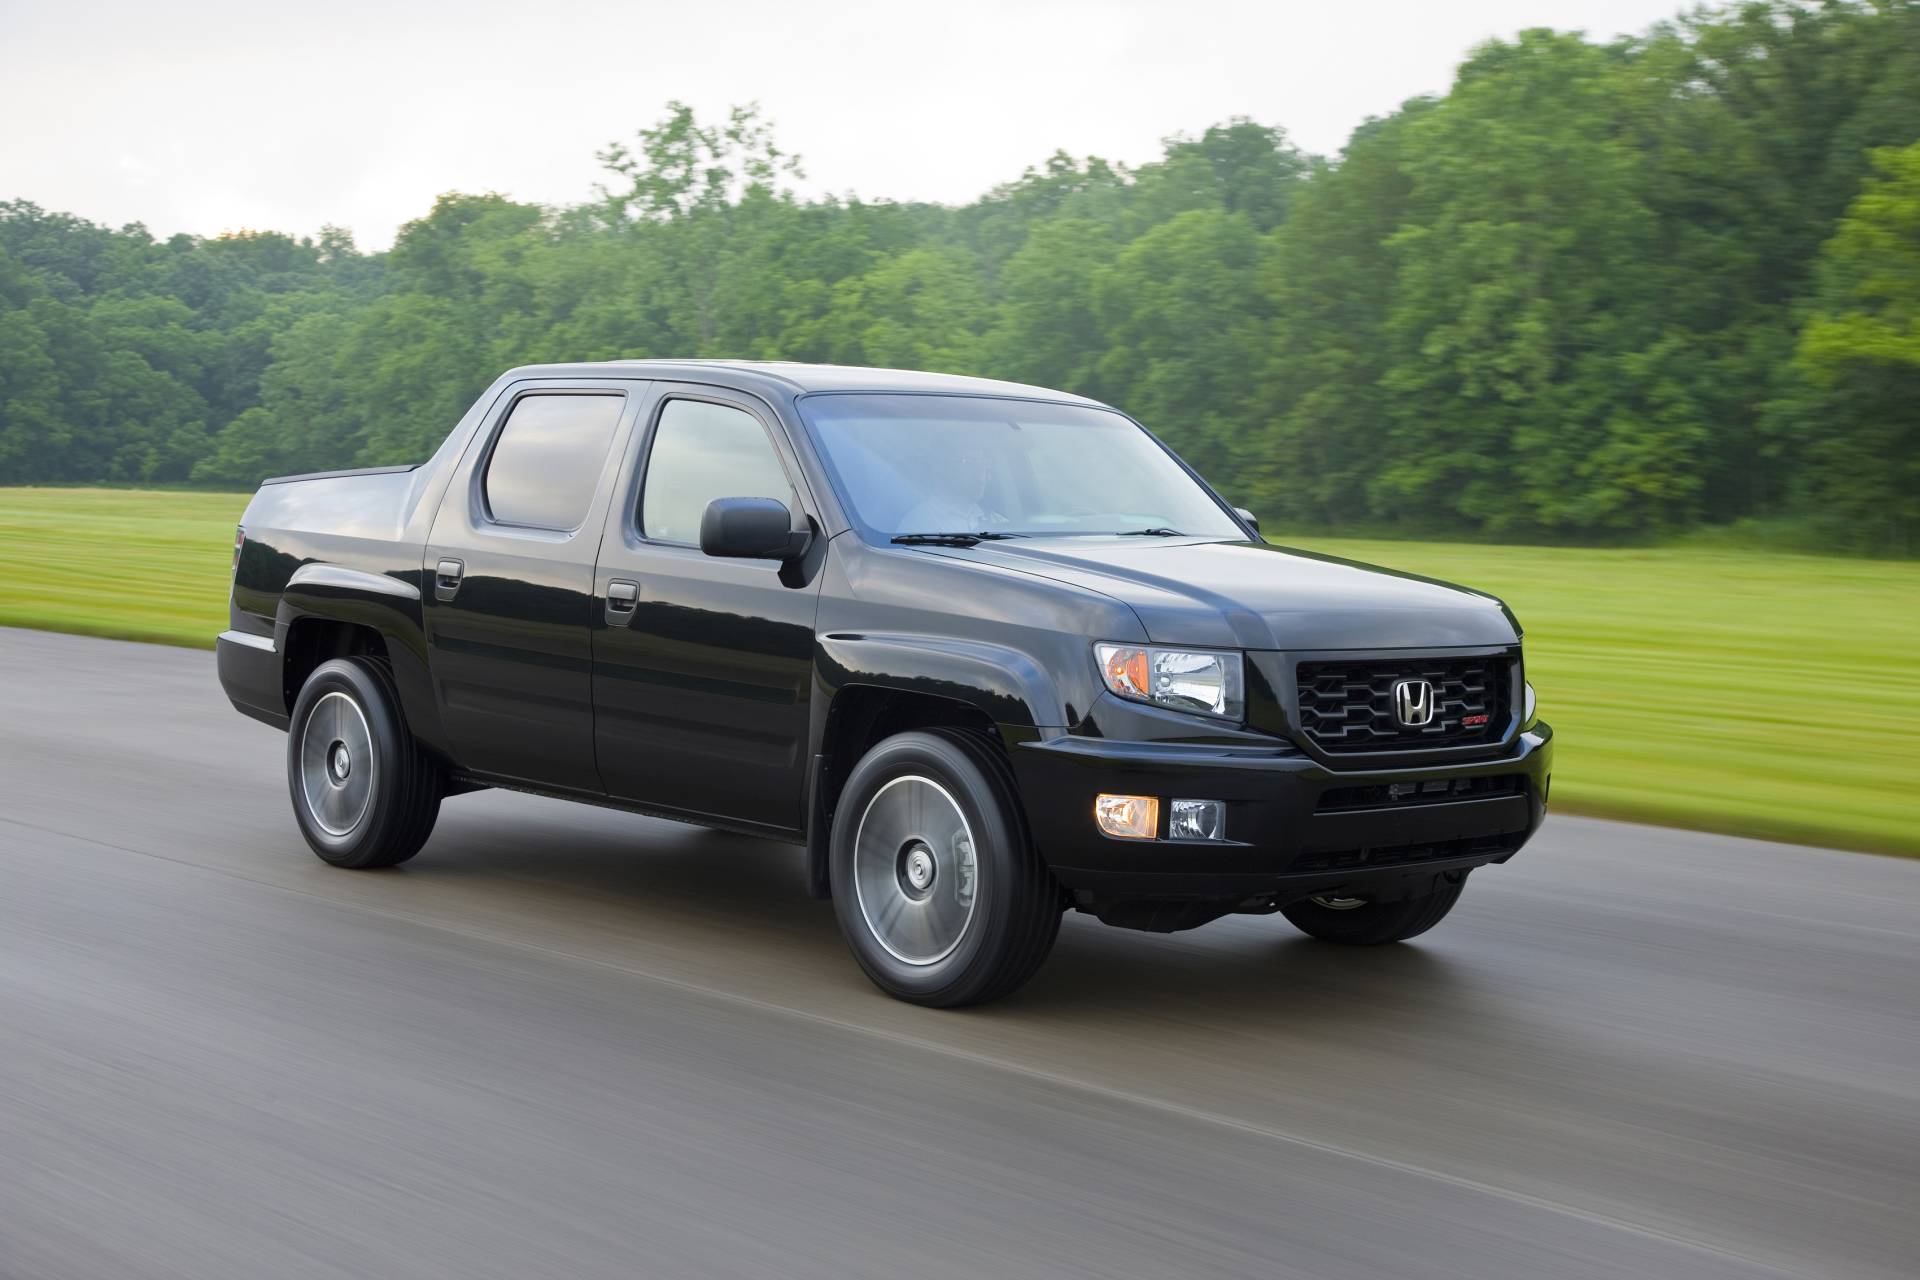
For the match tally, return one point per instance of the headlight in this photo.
(1526, 721)
(1184, 679)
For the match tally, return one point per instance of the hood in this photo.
(1247, 595)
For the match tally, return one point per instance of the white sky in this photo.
(214, 115)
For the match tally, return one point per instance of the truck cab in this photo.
(990, 652)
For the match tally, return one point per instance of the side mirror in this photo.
(1249, 517)
(751, 529)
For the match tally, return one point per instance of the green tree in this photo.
(1584, 293)
(1329, 278)
(920, 310)
(1528, 350)
(1048, 328)
(1861, 350)
(1237, 167)
(1186, 323)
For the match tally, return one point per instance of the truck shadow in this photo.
(648, 878)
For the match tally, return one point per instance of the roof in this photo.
(796, 378)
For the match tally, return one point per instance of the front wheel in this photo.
(364, 793)
(938, 890)
(1358, 922)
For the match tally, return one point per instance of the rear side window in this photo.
(701, 452)
(548, 459)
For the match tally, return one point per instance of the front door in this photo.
(509, 576)
(703, 667)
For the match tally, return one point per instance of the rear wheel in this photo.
(1361, 923)
(938, 890)
(363, 792)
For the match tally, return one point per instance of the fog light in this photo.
(1197, 820)
(1127, 817)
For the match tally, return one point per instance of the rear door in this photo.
(510, 590)
(703, 667)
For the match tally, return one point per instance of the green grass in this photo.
(136, 564)
(1750, 692)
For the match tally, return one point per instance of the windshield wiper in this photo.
(951, 539)
(1157, 531)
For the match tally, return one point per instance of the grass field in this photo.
(1754, 693)
(140, 565)
(1749, 692)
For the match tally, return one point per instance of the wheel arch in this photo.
(1007, 685)
(312, 640)
(330, 611)
(879, 686)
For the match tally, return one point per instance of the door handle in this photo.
(623, 598)
(446, 578)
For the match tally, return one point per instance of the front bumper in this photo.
(1286, 838)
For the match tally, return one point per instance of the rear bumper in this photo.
(249, 667)
(1286, 836)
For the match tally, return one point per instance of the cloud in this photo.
(224, 114)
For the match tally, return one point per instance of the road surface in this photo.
(570, 1042)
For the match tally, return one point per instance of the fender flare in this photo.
(1006, 684)
(382, 603)
(1009, 687)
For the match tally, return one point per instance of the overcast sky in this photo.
(215, 115)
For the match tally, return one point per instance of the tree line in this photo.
(1596, 291)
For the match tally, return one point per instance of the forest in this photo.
(1597, 292)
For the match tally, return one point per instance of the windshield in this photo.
(965, 464)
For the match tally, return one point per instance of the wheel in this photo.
(1359, 923)
(363, 793)
(937, 887)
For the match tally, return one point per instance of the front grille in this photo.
(1401, 855)
(1348, 706)
(1393, 795)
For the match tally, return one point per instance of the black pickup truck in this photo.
(989, 651)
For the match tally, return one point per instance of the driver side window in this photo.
(700, 452)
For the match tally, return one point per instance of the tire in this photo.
(1374, 923)
(363, 792)
(927, 925)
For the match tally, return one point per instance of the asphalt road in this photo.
(569, 1042)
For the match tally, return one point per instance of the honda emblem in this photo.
(1413, 702)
